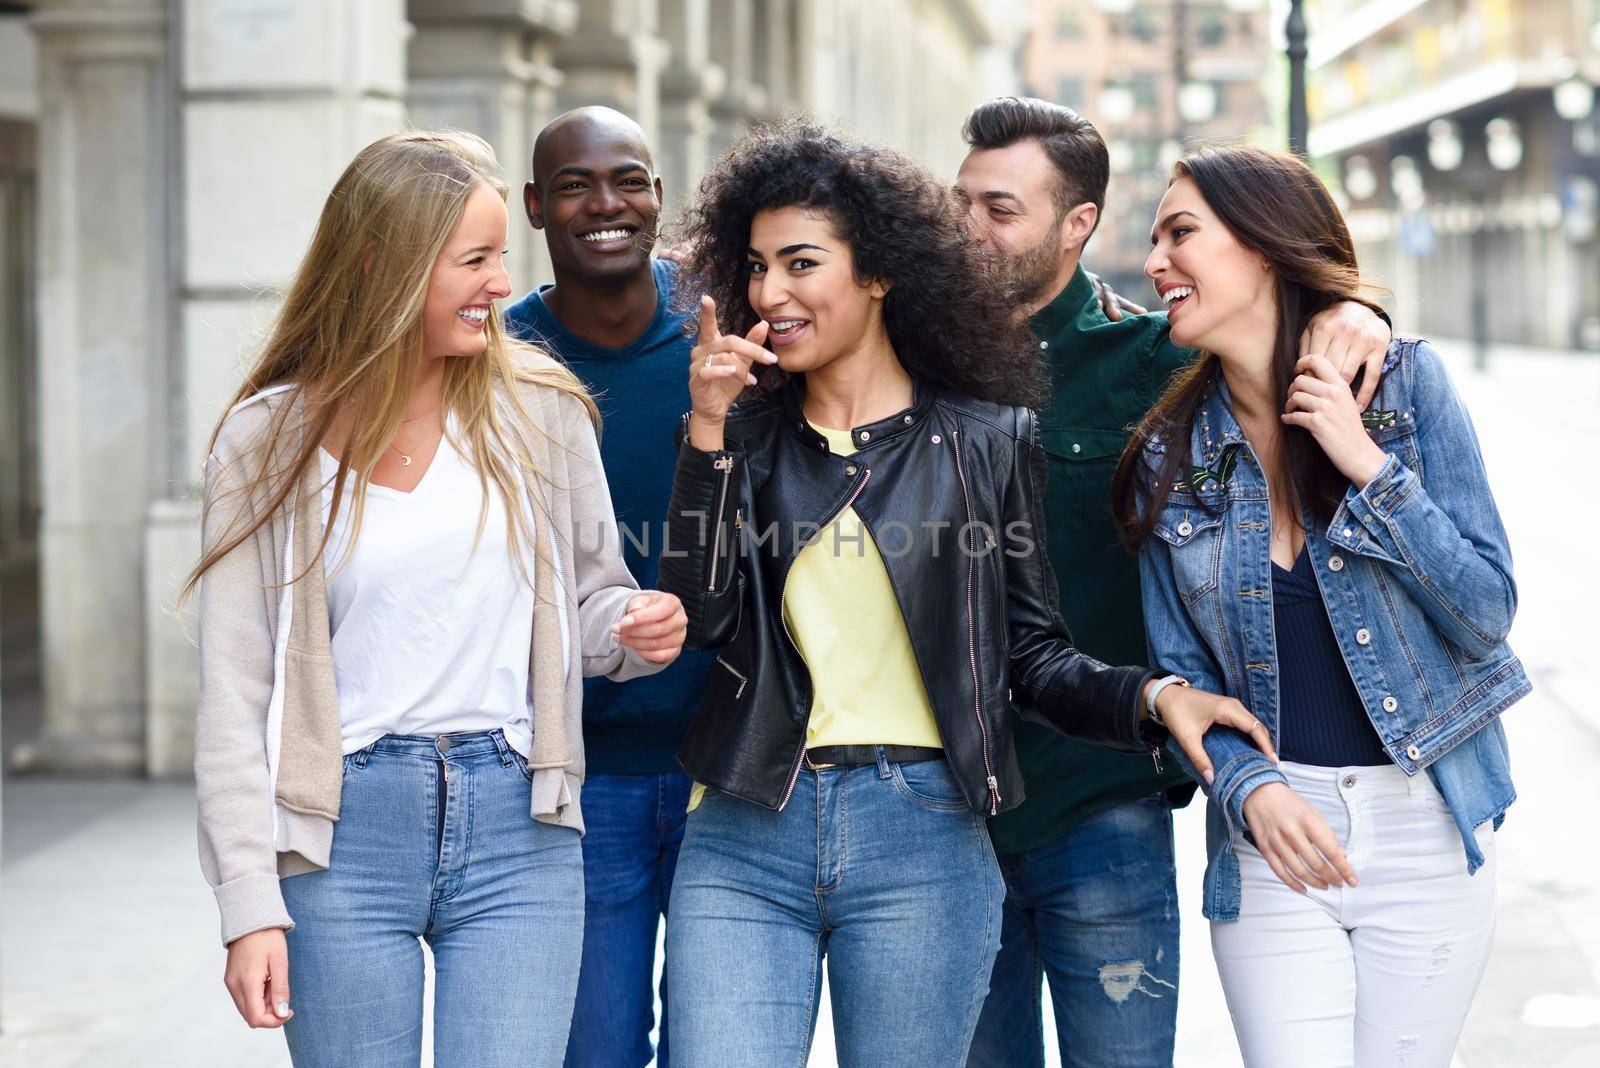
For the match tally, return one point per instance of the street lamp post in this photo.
(1299, 121)
(1502, 151)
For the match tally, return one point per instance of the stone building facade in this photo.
(1465, 135)
(162, 163)
(1153, 76)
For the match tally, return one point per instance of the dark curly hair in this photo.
(947, 314)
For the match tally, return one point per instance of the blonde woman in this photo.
(409, 564)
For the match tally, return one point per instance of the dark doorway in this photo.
(21, 698)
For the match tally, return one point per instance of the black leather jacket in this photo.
(950, 490)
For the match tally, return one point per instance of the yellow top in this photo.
(841, 609)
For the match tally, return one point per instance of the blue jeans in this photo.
(633, 828)
(1097, 912)
(883, 870)
(434, 841)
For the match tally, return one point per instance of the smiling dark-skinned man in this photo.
(609, 316)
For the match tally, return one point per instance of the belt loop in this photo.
(883, 762)
(360, 757)
(501, 746)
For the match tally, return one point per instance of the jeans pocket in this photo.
(521, 764)
(1431, 799)
(930, 784)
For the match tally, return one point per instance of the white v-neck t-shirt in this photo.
(431, 635)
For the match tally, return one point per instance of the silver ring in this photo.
(708, 359)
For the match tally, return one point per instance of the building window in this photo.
(1069, 25)
(1143, 25)
(1144, 90)
(1211, 29)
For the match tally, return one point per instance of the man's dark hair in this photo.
(1069, 139)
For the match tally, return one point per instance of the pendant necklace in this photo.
(405, 457)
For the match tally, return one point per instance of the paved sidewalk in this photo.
(108, 948)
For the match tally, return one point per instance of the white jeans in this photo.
(1382, 974)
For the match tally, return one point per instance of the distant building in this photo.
(1465, 137)
(1152, 75)
(162, 163)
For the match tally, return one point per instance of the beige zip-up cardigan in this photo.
(268, 761)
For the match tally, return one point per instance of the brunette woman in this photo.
(1344, 573)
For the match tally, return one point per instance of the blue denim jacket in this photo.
(1416, 576)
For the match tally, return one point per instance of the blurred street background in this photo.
(162, 163)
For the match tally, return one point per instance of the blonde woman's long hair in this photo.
(349, 337)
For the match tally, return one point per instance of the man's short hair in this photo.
(1073, 144)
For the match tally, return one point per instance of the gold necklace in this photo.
(405, 457)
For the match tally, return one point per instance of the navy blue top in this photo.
(1321, 720)
(633, 728)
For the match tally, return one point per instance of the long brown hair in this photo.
(1274, 205)
(349, 337)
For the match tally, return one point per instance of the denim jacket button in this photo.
(1363, 636)
(1390, 704)
(1336, 563)
(1413, 752)
(1185, 529)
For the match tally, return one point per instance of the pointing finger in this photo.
(708, 320)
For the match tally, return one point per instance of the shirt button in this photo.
(1184, 529)
(1390, 704)
(850, 470)
(1363, 636)
(1336, 563)
(1076, 447)
(1413, 752)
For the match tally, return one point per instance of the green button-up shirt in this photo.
(1106, 376)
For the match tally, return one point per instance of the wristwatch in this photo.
(1155, 691)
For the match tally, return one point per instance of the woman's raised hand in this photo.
(1295, 840)
(257, 975)
(1320, 401)
(719, 370)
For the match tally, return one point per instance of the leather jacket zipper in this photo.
(972, 640)
(725, 465)
(800, 757)
(736, 673)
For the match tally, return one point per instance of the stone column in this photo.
(688, 86)
(615, 58)
(489, 66)
(276, 97)
(734, 47)
(104, 340)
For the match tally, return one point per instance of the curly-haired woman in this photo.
(861, 538)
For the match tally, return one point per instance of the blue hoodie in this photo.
(633, 728)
